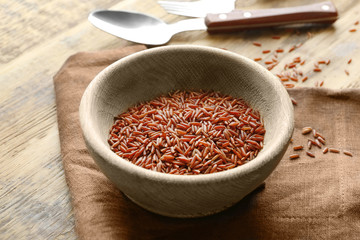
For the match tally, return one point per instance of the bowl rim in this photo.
(113, 159)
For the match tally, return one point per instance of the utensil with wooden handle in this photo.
(146, 29)
(197, 8)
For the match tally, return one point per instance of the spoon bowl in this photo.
(139, 27)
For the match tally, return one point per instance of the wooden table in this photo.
(37, 38)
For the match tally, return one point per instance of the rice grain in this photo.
(188, 133)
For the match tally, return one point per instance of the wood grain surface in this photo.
(38, 36)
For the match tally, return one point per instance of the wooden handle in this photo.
(324, 12)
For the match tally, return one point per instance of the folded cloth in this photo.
(304, 198)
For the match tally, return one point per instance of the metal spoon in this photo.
(146, 29)
(141, 28)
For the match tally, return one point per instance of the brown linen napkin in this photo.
(304, 198)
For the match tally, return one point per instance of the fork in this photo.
(198, 8)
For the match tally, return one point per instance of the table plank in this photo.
(35, 198)
(30, 22)
(34, 195)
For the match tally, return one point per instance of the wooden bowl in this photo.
(145, 75)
